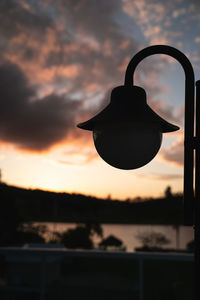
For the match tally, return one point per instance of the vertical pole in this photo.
(190, 216)
(42, 277)
(189, 153)
(141, 278)
(177, 228)
(197, 195)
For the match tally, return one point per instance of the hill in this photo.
(38, 205)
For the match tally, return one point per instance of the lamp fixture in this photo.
(128, 133)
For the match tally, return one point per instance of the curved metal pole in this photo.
(189, 117)
(197, 193)
(191, 143)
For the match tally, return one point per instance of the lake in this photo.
(128, 233)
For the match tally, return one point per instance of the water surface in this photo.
(179, 237)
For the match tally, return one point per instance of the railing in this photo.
(44, 270)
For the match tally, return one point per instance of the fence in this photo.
(47, 274)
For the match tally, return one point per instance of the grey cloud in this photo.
(93, 27)
(15, 17)
(174, 154)
(168, 113)
(175, 157)
(29, 122)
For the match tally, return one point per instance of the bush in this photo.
(77, 238)
(153, 240)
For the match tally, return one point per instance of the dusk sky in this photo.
(59, 61)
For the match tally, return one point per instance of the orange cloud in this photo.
(161, 177)
(79, 156)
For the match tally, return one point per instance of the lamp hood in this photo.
(128, 103)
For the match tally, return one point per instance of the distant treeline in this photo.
(37, 205)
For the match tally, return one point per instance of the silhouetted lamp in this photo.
(127, 133)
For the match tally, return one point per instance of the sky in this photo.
(60, 60)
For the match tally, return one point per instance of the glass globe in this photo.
(127, 145)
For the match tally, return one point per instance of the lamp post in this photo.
(128, 134)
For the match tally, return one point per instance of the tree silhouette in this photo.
(152, 240)
(81, 236)
(168, 192)
(111, 241)
(77, 238)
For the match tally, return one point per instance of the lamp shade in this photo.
(127, 132)
(128, 103)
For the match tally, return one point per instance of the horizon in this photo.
(108, 197)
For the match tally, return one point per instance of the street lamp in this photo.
(128, 133)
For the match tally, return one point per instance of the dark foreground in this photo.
(49, 274)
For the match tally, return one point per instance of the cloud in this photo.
(64, 56)
(179, 12)
(57, 65)
(160, 176)
(64, 37)
(78, 155)
(197, 39)
(19, 16)
(165, 22)
(175, 153)
(168, 112)
(150, 16)
(29, 122)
